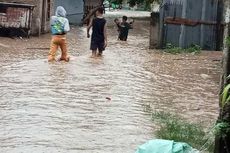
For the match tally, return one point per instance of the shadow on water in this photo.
(66, 107)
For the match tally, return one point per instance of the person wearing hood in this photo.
(59, 27)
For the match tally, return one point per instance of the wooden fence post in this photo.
(154, 30)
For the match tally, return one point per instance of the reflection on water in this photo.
(62, 107)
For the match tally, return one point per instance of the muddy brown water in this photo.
(64, 107)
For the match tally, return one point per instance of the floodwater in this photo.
(98, 105)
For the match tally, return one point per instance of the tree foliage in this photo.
(134, 2)
(115, 1)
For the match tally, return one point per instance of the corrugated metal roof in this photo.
(16, 4)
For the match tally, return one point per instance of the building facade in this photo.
(89, 6)
(74, 9)
(77, 10)
(42, 12)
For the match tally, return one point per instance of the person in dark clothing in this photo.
(124, 28)
(99, 33)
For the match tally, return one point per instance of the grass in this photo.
(178, 50)
(228, 40)
(173, 127)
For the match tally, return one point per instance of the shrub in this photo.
(173, 127)
(177, 50)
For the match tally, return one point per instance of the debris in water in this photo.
(205, 76)
(108, 98)
(3, 45)
(42, 48)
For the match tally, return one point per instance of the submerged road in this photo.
(98, 105)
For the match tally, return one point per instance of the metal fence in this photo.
(191, 22)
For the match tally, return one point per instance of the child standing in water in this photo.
(99, 33)
(124, 28)
(59, 28)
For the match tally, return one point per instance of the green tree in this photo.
(148, 2)
(115, 1)
(134, 2)
(222, 142)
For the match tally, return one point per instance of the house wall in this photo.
(89, 5)
(77, 9)
(74, 9)
(15, 17)
(46, 11)
(40, 22)
(93, 2)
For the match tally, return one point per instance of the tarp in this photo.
(165, 146)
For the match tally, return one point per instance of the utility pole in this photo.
(222, 141)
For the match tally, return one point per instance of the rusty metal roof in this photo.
(17, 4)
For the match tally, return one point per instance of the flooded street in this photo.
(64, 107)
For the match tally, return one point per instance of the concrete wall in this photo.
(40, 23)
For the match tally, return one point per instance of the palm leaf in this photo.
(225, 96)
